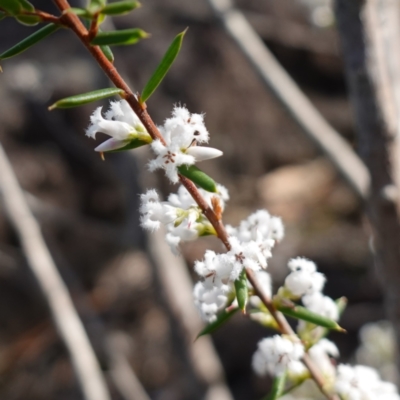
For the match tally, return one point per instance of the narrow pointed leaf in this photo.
(119, 38)
(84, 98)
(133, 144)
(163, 67)
(29, 41)
(221, 319)
(198, 177)
(120, 7)
(341, 303)
(278, 386)
(304, 314)
(108, 53)
(242, 291)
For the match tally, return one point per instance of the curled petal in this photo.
(111, 144)
(203, 153)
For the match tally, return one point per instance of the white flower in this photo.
(214, 265)
(363, 383)
(154, 212)
(182, 132)
(243, 255)
(260, 226)
(276, 354)
(303, 279)
(121, 123)
(322, 305)
(180, 214)
(210, 297)
(320, 354)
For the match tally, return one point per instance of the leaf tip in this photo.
(52, 107)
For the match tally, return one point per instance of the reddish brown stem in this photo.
(76, 25)
(44, 16)
(94, 28)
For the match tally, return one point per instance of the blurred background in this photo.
(88, 209)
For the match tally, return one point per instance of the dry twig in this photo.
(56, 293)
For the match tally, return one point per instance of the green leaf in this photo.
(221, 319)
(120, 7)
(29, 41)
(278, 385)
(2, 15)
(95, 6)
(84, 98)
(200, 178)
(163, 67)
(133, 144)
(12, 7)
(304, 314)
(17, 9)
(242, 290)
(27, 19)
(108, 53)
(119, 38)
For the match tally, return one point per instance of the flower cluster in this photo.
(180, 214)
(275, 355)
(306, 283)
(363, 383)
(250, 248)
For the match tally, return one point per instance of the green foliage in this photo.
(84, 98)
(119, 38)
(304, 314)
(17, 8)
(199, 177)
(278, 386)
(108, 53)
(29, 41)
(242, 290)
(120, 7)
(96, 6)
(221, 319)
(163, 67)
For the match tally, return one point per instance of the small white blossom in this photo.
(121, 123)
(180, 214)
(304, 278)
(182, 132)
(259, 226)
(243, 255)
(320, 353)
(276, 354)
(155, 212)
(210, 296)
(322, 305)
(363, 383)
(214, 265)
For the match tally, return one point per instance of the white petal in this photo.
(203, 153)
(111, 144)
